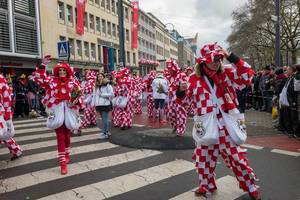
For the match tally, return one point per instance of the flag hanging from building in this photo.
(135, 23)
(80, 16)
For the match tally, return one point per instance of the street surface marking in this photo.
(29, 120)
(53, 154)
(138, 125)
(122, 184)
(46, 135)
(50, 174)
(53, 142)
(289, 153)
(18, 126)
(29, 130)
(227, 189)
(250, 146)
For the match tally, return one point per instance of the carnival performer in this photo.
(63, 100)
(87, 87)
(176, 111)
(6, 119)
(160, 87)
(102, 95)
(124, 92)
(115, 110)
(212, 89)
(148, 93)
(138, 89)
(190, 109)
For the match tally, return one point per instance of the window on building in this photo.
(108, 5)
(61, 11)
(92, 22)
(72, 46)
(86, 50)
(113, 6)
(103, 26)
(98, 25)
(70, 14)
(103, 3)
(126, 13)
(108, 28)
(127, 35)
(99, 52)
(97, 3)
(134, 58)
(86, 22)
(128, 57)
(114, 30)
(79, 47)
(118, 35)
(93, 51)
(91, 2)
(62, 38)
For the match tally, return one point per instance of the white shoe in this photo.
(108, 134)
(103, 136)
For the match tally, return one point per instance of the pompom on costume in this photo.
(6, 116)
(87, 87)
(225, 81)
(176, 112)
(63, 100)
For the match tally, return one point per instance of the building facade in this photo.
(98, 47)
(20, 46)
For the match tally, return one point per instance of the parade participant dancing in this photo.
(124, 90)
(190, 109)
(6, 119)
(211, 73)
(87, 87)
(138, 89)
(176, 111)
(63, 100)
(148, 93)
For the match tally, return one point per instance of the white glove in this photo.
(46, 60)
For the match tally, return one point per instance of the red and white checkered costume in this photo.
(148, 92)
(176, 112)
(190, 109)
(59, 90)
(6, 111)
(87, 87)
(234, 76)
(138, 89)
(125, 88)
(115, 111)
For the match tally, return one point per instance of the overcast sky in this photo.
(210, 18)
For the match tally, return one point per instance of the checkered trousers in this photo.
(206, 157)
(90, 116)
(150, 105)
(176, 115)
(14, 148)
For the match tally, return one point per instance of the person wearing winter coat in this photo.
(102, 94)
(62, 100)
(297, 89)
(6, 119)
(212, 89)
(160, 87)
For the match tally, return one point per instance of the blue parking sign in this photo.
(63, 49)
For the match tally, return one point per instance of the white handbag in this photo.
(283, 101)
(205, 129)
(3, 127)
(56, 116)
(72, 118)
(234, 123)
(10, 130)
(120, 101)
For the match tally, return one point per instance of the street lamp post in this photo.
(121, 32)
(277, 40)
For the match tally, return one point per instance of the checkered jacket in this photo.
(5, 99)
(237, 76)
(175, 83)
(50, 83)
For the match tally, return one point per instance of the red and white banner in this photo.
(135, 24)
(80, 16)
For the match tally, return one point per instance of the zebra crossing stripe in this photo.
(39, 129)
(53, 154)
(227, 189)
(38, 145)
(42, 176)
(26, 121)
(18, 126)
(46, 135)
(289, 153)
(250, 146)
(122, 184)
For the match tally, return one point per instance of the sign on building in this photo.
(63, 49)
